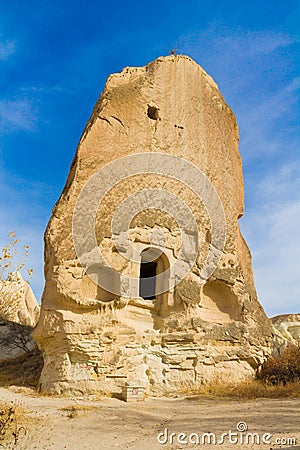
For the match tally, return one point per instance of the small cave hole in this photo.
(153, 113)
(208, 236)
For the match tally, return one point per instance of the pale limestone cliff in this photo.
(196, 330)
(289, 326)
(18, 302)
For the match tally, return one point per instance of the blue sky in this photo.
(54, 59)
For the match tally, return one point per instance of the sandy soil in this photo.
(88, 423)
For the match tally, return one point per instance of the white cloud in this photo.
(282, 184)
(17, 115)
(247, 44)
(256, 80)
(254, 70)
(45, 89)
(265, 43)
(268, 126)
(7, 48)
(271, 228)
(228, 50)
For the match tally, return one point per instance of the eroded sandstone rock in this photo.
(195, 330)
(289, 326)
(18, 302)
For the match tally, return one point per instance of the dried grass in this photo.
(77, 410)
(12, 425)
(283, 368)
(249, 390)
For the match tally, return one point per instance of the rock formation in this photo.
(19, 313)
(101, 324)
(289, 326)
(17, 301)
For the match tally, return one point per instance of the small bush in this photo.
(281, 369)
(77, 410)
(17, 337)
(10, 429)
(7, 418)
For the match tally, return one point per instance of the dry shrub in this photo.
(249, 390)
(17, 337)
(11, 429)
(77, 410)
(278, 377)
(244, 390)
(281, 369)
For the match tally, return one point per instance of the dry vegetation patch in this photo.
(72, 411)
(283, 368)
(249, 390)
(278, 377)
(12, 425)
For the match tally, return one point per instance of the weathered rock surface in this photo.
(289, 326)
(96, 340)
(17, 301)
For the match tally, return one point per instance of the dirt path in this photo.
(88, 424)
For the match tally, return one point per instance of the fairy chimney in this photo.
(148, 278)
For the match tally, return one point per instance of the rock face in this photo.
(289, 326)
(102, 323)
(17, 301)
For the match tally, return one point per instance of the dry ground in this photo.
(89, 423)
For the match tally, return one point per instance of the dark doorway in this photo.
(148, 280)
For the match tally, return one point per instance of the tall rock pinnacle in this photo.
(148, 278)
